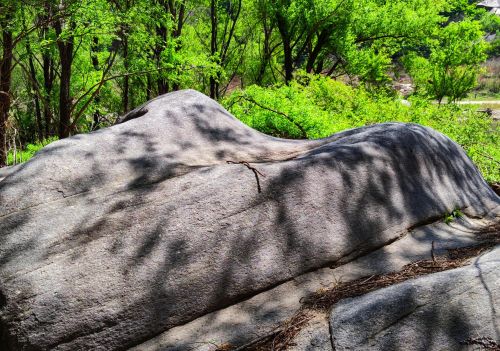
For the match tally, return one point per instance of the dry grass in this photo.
(488, 82)
(325, 298)
(284, 337)
(280, 338)
(492, 106)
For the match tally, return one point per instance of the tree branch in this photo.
(290, 119)
(111, 60)
(104, 80)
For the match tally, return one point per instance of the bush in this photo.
(315, 107)
(452, 68)
(28, 152)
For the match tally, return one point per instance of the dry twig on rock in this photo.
(255, 171)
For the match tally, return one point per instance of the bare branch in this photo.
(290, 119)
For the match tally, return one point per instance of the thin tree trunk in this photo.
(149, 87)
(65, 52)
(178, 17)
(126, 79)
(162, 86)
(35, 87)
(161, 83)
(95, 62)
(48, 72)
(287, 48)
(267, 54)
(313, 55)
(65, 47)
(319, 65)
(213, 45)
(5, 81)
(48, 84)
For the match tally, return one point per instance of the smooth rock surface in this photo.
(251, 319)
(111, 238)
(440, 311)
(314, 336)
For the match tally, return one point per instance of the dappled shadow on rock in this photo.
(441, 311)
(123, 233)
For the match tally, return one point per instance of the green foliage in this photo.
(322, 106)
(307, 102)
(452, 68)
(494, 47)
(450, 217)
(20, 156)
(126, 52)
(156, 51)
(491, 25)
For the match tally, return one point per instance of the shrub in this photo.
(28, 152)
(315, 107)
(452, 68)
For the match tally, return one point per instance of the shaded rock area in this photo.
(111, 238)
(5, 171)
(452, 310)
(267, 315)
(315, 336)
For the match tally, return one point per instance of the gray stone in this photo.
(111, 238)
(248, 320)
(5, 171)
(440, 311)
(314, 336)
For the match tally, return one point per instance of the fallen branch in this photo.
(253, 169)
(489, 157)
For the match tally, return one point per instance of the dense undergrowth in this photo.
(18, 156)
(315, 107)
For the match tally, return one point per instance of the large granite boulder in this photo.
(451, 310)
(110, 238)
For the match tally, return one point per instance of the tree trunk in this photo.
(94, 48)
(48, 83)
(161, 83)
(149, 87)
(35, 87)
(5, 81)
(313, 55)
(178, 17)
(213, 45)
(65, 47)
(126, 79)
(162, 86)
(267, 54)
(287, 48)
(48, 72)
(319, 65)
(65, 52)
